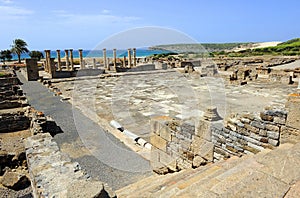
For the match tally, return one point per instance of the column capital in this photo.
(70, 50)
(47, 50)
(80, 50)
(66, 50)
(58, 50)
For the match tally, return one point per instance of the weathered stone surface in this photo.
(15, 180)
(293, 106)
(53, 174)
(203, 148)
(294, 191)
(82, 188)
(288, 134)
(165, 133)
(266, 117)
(279, 120)
(158, 142)
(258, 185)
(198, 161)
(273, 135)
(251, 128)
(271, 127)
(281, 164)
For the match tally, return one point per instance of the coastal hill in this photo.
(290, 48)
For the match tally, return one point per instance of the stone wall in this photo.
(54, 175)
(178, 145)
(247, 133)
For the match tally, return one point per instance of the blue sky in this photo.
(59, 24)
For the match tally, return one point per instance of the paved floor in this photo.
(133, 99)
(99, 153)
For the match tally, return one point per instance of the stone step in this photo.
(200, 177)
(239, 175)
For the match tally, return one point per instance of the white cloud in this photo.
(10, 12)
(6, 1)
(104, 18)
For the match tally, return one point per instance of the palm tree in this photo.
(18, 47)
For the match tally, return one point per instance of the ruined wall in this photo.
(54, 175)
(177, 145)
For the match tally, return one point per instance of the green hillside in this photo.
(288, 48)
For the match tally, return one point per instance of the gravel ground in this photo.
(107, 158)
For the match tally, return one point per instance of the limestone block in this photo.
(251, 128)
(158, 122)
(258, 125)
(203, 148)
(198, 161)
(165, 133)
(158, 142)
(271, 127)
(167, 160)
(273, 135)
(204, 128)
(279, 120)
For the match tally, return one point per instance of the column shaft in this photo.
(129, 58)
(58, 60)
(71, 59)
(67, 59)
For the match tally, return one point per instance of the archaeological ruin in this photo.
(180, 127)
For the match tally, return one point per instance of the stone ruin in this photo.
(178, 144)
(30, 157)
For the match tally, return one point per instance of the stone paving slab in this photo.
(133, 99)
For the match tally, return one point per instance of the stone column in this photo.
(46, 61)
(58, 60)
(48, 65)
(134, 57)
(71, 59)
(67, 59)
(124, 61)
(298, 84)
(129, 58)
(104, 58)
(52, 66)
(107, 60)
(94, 63)
(81, 59)
(115, 59)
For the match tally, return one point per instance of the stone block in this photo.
(273, 135)
(203, 148)
(258, 125)
(279, 120)
(158, 122)
(273, 142)
(271, 127)
(158, 142)
(262, 133)
(203, 129)
(165, 133)
(255, 146)
(166, 159)
(251, 128)
(266, 117)
(198, 161)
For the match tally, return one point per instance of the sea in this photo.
(140, 53)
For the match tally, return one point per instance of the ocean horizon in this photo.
(140, 53)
